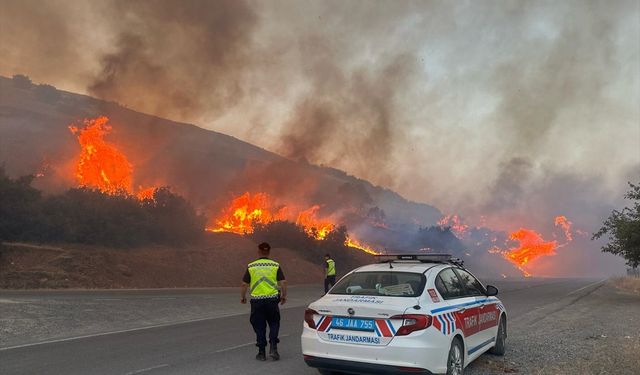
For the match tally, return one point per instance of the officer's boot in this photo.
(261, 356)
(273, 351)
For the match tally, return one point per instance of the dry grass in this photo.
(630, 284)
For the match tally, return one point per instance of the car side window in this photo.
(471, 285)
(449, 285)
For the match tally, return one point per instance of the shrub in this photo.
(21, 81)
(91, 217)
(47, 94)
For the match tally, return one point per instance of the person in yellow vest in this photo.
(267, 287)
(330, 271)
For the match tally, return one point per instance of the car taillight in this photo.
(308, 317)
(412, 323)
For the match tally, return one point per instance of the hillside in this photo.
(206, 167)
(213, 172)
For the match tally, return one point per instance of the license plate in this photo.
(352, 324)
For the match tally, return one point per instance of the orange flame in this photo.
(146, 193)
(566, 226)
(458, 227)
(245, 211)
(532, 246)
(249, 209)
(101, 165)
(357, 245)
(314, 227)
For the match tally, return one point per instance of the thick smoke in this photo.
(350, 113)
(176, 58)
(36, 38)
(505, 110)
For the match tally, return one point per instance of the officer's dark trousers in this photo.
(329, 281)
(265, 312)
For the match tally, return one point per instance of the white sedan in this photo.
(415, 314)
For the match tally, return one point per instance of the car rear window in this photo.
(381, 283)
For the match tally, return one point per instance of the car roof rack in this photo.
(422, 258)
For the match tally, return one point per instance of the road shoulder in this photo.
(593, 332)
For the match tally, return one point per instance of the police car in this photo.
(416, 314)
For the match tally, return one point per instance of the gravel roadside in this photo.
(34, 316)
(28, 317)
(597, 332)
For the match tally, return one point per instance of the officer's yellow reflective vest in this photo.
(331, 267)
(264, 278)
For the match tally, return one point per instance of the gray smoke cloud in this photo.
(176, 58)
(342, 113)
(508, 110)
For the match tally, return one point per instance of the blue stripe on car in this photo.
(377, 330)
(467, 304)
(476, 348)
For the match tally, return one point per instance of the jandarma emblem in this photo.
(351, 311)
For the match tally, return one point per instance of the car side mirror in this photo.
(491, 291)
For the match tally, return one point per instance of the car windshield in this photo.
(381, 283)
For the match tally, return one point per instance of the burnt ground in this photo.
(593, 333)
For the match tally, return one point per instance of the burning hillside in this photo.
(264, 188)
(249, 209)
(103, 166)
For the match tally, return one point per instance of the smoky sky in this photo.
(476, 107)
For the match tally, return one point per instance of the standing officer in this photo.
(330, 268)
(262, 278)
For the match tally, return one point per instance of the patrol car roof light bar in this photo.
(423, 258)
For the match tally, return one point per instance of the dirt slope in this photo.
(218, 262)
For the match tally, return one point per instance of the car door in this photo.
(461, 311)
(486, 310)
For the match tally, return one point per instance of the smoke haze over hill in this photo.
(508, 113)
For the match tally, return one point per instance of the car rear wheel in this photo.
(501, 338)
(455, 361)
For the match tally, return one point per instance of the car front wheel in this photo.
(455, 362)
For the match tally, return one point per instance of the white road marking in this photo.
(3, 300)
(585, 287)
(242, 345)
(146, 369)
(234, 347)
(113, 332)
(132, 330)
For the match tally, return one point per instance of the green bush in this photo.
(623, 229)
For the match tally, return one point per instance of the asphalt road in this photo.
(223, 345)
